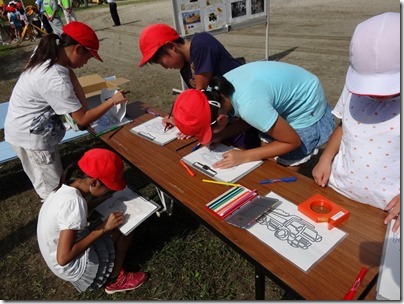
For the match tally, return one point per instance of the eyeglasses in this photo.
(217, 105)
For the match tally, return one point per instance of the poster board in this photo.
(193, 16)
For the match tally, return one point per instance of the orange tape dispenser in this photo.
(320, 209)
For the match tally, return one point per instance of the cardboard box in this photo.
(93, 84)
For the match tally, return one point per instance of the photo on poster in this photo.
(238, 10)
(187, 5)
(191, 22)
(258, 8)
(215, 17)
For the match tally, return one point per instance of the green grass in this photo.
(184, 259)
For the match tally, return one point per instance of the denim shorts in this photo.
(312, 138)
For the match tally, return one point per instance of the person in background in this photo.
(362, 158)
(45, 91)
(14, 19)
(198, 60)
(114, 12)
(88, 258)
(282, 100)
(5, 25)
(43, 17)
(67, 7)
(54, 14)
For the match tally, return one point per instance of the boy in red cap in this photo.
(87, 258)
(362, 158)
(46, 90)
(198, 60)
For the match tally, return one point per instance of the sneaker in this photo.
(126, 281)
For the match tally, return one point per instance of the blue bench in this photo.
(6, 151)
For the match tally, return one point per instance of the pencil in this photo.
(116, 131)
(168, 125)
(186, 145)
(221, 183)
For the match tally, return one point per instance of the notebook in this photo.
(204, 158)
(153, 130)
(389, 282)
(135, 207)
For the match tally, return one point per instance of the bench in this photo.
(6, 151)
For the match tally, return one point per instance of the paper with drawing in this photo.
(204, 158)
(295, 236)
(135, 207)
(153, 130)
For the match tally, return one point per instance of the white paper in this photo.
(295, 236)
(153, 130)
(135, 207)
(389, 282)
(203, 160)
(114, 117)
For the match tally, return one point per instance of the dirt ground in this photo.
(314, 34)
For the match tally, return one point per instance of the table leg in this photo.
(167, 207)
(259, 285)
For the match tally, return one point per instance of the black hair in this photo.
(48, 49)
(71, 172)
(218, 85)
(163, 50)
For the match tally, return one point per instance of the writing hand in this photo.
(119, 97)
(393, 207)
(114, 220)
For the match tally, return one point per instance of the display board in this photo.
(193, 16)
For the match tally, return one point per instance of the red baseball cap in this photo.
(192, 115)
(104, 165)
(84, 35)
(152, 38)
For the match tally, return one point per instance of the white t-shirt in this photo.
(63, 209)
(37, 91)
(367, 166)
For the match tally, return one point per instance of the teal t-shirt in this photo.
(266, 89)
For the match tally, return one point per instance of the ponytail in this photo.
(48, 49)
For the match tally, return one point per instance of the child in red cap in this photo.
(198, 60)
(362, 159)
(283, 101)
(88, 258)
(46, 90)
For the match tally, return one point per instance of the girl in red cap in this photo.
(88, 258)
(46, 90)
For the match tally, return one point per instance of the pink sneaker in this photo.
(126, 281)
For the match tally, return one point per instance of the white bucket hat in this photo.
(374, 56)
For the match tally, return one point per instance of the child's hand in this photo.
(321, 173)
(114, 220)
(393, 207)
(230, 159)
(119, 98)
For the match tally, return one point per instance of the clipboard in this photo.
(153, 130)
(203, 159)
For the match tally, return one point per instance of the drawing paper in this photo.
(153, 130)
(135, 207)
(389, 282)
(295, 236)
(204, 158)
